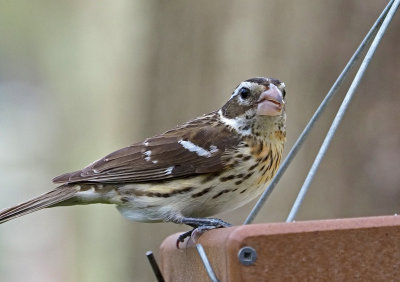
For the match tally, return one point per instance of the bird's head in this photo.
(256, 106)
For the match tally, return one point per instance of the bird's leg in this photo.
(200, 225)
(196, 222)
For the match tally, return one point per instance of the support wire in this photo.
(206, 263)
(299, 142)
(341, 111)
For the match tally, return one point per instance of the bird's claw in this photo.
(199, 227)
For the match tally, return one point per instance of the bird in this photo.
(214, 163)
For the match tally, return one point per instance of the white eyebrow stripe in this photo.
(201, 152)
(247, 84)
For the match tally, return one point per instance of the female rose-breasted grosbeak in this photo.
(214, 163)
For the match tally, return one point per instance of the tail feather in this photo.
(60, 194)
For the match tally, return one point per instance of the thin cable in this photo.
(154, 266)
(342, 110)
(257, 207)
(206, 262)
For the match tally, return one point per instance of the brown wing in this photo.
(172, 154)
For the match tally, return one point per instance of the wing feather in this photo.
(162, 157)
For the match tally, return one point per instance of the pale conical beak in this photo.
(270, 102)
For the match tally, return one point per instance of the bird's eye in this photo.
(244, 93)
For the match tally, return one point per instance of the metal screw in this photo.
(247, 255)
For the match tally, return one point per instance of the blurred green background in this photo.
(79, 79)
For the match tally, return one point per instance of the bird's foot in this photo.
(200, 225)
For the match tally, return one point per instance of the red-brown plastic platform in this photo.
(356, 249)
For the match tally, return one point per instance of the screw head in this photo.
(247, 255)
